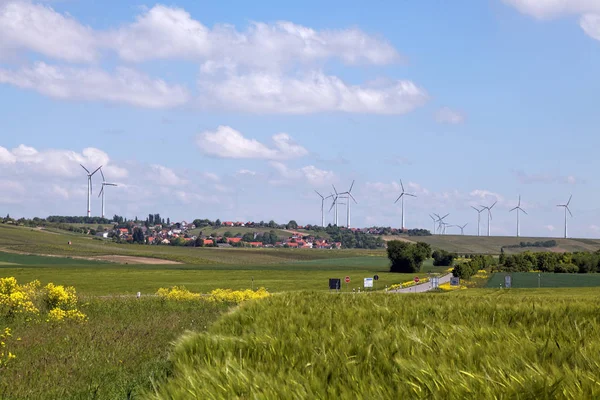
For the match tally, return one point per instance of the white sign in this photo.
(368, 282)
(435, 282)
(507, 281)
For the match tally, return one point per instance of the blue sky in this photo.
(240, 111)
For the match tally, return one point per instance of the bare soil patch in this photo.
(134, 260)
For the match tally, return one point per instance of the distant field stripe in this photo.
(530, 280)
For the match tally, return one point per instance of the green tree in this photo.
(292, 225)
(405, 257)
(248, 237)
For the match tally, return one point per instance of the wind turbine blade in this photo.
(569, 211)
(350, 194)
(96, 170)
(465, 225)
(493, 204)
(476, 209)
(91, 184)
(445, 216)
(491, 217)
(320, 195)
(399, 198)
(86, 170)
(570, 197)
(111, 184)
(101, 190)
(336, 192)
(351, 186)
(513, 209)
(411, 195)
(102, 173)
(402, 185)
(523, 211)
(519, 201)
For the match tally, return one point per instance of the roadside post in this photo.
(376, 278)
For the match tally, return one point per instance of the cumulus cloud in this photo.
(226, 142)
(551, 228)
(263, 92)
(545, 177)
(126, 86)
(446, 115)
(56, 162)
(309, 173)
(589, 10)
(39, 28)
(165, 176)
(246, 172)
(170, 32)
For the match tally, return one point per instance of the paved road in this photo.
(423, 287)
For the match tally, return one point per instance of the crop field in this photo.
(492, 245)
(208, 230)
(116, 354)
(530, 280)
(27, 240)
(507, 344)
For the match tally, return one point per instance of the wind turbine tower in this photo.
(462, 228)
(323, 207)
(442, 224)
(335, 204)
(89, 189)
(489, 210)
(518, 208)
(104, 183)
(348, 197)
(402, 196)
(434, 221)
(566, 206)
(478, 217)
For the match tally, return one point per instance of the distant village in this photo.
(180, 234)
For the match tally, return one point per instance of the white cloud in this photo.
(590, 23)
(125, 86)
(246, 172)
(545, 177)
(594, 228)
(165, 176)
(316, 176)
(551, 228)
(226, 142)
(309, 173)
(39, 28)
(552, 8)
(446, 115)
(55, 162)
(546, 9)
(170, 32)
(211, 176)
(314, 92)
(485, 195)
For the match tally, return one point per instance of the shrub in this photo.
(407, 257)
(5, 355)
(443, 258)
(17, 299)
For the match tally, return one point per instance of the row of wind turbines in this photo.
(438, 221)
(89, 188)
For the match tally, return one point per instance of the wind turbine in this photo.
(104, 183)
(335, 204)
(89, 191)
(441, 222)
(462, 228)
(434, 221)
(489, 210)
(348, 197)
(478, 217)
(447, 226)
(566, 206)
(402, 195)
(518, 208)
(323, 207)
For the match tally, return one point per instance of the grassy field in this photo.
(27, 240)
(115, 355)
(492, 245)
(120, 279)
(208, 230)
(530, 280)
(507, 344)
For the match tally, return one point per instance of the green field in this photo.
(530, 280)
(115, 355)
(506, 344)
(492, 245)
(208, 230)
